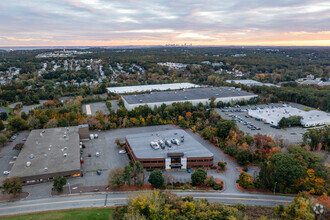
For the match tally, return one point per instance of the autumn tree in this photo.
(12, 185)
(116, 177)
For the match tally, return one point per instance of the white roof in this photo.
(144, 88)
(274, 115)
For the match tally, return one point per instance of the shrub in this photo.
(218, 186)
(156, 179)
(240, 206)
(245, 180)
(222, 165)
(198, 177)
(210, 181)
(59, 182)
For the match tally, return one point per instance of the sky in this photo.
(160, 22)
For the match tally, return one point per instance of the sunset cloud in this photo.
(159, 22)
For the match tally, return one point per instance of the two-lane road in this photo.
(100, 200)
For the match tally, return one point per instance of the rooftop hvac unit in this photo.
(154, 145)
(28, 163)
(65, 154)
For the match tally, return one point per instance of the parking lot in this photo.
(92, 108)
(251, 126)
(7, 153)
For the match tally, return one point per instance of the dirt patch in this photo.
(12, 198)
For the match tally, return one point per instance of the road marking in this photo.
(90, 200)
(228, 198)
(50, 203)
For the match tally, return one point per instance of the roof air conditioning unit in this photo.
(65, 154)
(28, 163)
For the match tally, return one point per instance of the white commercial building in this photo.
(146, 88)
(274, 115)
(249, 82)
(195, 96)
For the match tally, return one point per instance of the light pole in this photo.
(275, 187)
(69, 188)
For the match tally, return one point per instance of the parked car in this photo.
(97, 154)
(98, 172)
(188, 170)
(96, 136)
(6, 172)
(122, 152)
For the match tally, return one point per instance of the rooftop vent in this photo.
(28, 163)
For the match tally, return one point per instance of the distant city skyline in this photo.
(161, 22)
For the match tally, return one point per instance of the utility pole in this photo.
(275, 187)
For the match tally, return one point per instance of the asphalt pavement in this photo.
(112, 199)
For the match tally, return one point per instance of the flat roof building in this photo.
(249, 82)
(48, 153)
(195, 96)
(147, 88)
(168, 149)
(274, 115)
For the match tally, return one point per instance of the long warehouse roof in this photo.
(146, 88)
(188, 94)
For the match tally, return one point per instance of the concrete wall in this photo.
(194, 102)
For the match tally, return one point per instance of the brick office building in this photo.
(168, 149)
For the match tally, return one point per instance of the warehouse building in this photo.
(49, 153)
(168, 149)
(274, 115)
(195, 96)
(149, 88)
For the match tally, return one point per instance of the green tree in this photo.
(156, 179)
(224, 126)
(3, 139)
(59, 182)
(116, 177)
(284, 169)
(198, 177)
(2, 126)
(109, 105)
(17, 124)
(12, 186)
(3, 116)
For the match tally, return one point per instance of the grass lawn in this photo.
(8, 109)
(80, 214)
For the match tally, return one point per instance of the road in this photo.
(120, 198)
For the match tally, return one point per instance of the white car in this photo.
(6, 172)
(122, 152)
(14, 157)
